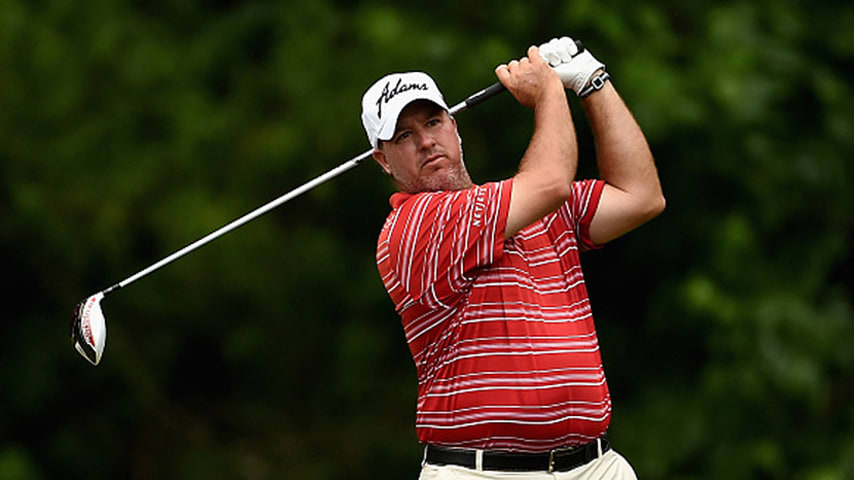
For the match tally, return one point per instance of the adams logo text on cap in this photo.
(388, 96)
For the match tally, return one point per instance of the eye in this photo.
(402, 136)
(433, 122)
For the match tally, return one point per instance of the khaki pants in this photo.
(610, 466)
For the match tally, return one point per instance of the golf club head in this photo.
(89, 329)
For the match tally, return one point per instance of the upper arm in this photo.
(533, 197)
(619, 212)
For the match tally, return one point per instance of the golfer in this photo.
(486, 277)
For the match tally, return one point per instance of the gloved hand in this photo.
(574, 67)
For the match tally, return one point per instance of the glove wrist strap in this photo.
(596, 83)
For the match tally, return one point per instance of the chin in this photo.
(448, 181)
(441, 179)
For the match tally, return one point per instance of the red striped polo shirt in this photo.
(501, 332)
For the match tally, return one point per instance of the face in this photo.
(425, 153)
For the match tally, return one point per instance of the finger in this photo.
(513, 65)
(503, 73)
(535, 55)
(555, 46)
(543, 50)
(552, 52)
(567, 49)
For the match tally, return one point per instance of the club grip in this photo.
(484, 95)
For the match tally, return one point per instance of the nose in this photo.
(426, 141)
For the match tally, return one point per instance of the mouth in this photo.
(431, 159)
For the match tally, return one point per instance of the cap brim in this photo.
(389, 124)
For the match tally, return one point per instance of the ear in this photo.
(380, 158)
(457, 130)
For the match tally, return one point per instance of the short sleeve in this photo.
(435, 239)
(582, 207)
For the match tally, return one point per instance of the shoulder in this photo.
(427, 213)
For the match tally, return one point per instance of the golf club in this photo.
(88, 326)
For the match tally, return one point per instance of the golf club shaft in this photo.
(469, 102)
(478, 97)
(349, 164)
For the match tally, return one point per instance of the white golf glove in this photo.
(573, 67)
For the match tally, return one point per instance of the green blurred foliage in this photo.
(129, 129)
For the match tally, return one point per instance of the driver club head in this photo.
(89, 329)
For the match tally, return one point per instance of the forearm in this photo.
(624, 158)
(552, 153)
(632, 194)
(546, 171)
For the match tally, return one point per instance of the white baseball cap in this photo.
(383, 102)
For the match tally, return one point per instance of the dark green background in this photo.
(129, 129)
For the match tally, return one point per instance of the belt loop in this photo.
(599, 446)
(424, 460)
(478, 460)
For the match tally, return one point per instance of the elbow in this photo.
(558, 191)
(660, 204)
(554, 187)
(553, 193)
(562, 189)
(655, 206)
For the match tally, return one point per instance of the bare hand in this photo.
(530, 79)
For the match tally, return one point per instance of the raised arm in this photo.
(632, 194)
(547, 169)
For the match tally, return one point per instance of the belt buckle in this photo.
(554, 451)
(562, 450)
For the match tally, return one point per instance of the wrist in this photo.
(595, 83)
(552, 92)
(596, 72)
(551, 105)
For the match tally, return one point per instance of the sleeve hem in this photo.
(584, 222)
(503, 212)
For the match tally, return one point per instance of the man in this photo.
(487, 280)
